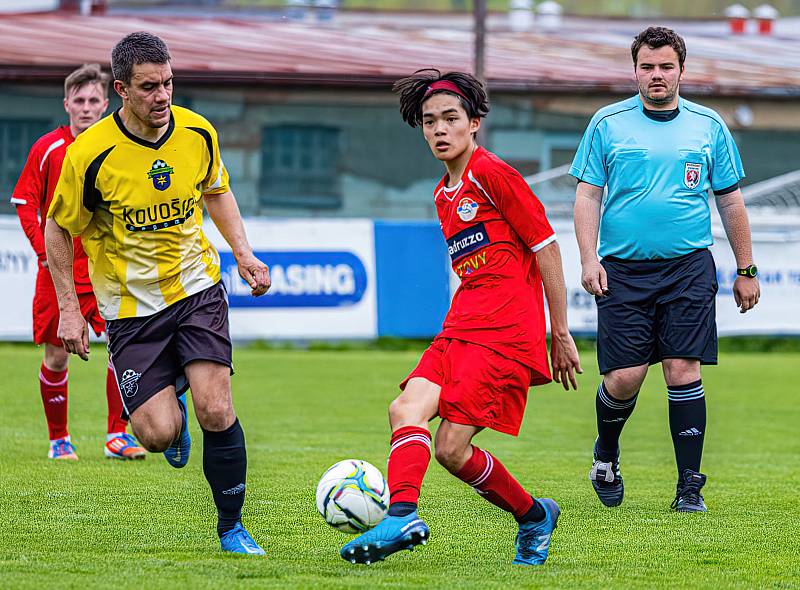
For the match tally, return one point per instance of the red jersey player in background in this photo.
(85, 101)
(492, 347)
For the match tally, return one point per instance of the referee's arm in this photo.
(587, 224)
(746, 290)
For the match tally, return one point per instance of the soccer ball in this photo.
(352, 496)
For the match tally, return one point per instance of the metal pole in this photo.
(479, 13)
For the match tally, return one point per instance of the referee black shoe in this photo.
(606, 480)
(687, 495)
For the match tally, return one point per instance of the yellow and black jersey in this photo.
(138, 208)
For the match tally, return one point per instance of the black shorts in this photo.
(658, 309)
(149, 353)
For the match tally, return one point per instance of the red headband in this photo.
(445, 85)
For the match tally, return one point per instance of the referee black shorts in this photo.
(657, 309)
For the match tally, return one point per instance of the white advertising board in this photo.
(18, 267)
(323, 280)
(776, 253)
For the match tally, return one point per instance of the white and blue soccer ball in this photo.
(352, 496)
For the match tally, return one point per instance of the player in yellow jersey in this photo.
(133, 187)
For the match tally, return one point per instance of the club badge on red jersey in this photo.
(467, 209)
(691, 175)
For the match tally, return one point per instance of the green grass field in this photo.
(103, 524)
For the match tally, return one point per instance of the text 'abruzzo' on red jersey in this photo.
(494, 225)
(33, 194)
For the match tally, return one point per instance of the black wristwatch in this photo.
(751, 271)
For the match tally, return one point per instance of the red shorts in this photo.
(45, 311)
(479, 386)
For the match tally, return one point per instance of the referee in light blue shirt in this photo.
(656, 285)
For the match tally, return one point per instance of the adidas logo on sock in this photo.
(234, 490)
(690, 432)
(59, 399)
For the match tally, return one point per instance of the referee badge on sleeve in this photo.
(691, 175)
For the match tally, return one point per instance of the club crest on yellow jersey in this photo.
(160, 173)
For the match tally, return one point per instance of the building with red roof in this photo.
(307, 120)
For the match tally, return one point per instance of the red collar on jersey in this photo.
(445, 85)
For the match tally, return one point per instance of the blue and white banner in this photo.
(323, 280)
(300, 278)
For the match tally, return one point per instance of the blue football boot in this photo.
(238, 540)
(533, 538)
(391, 535)
(62, 449)
(177, 454)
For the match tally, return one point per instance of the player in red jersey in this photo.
(492, 347)
(85, 101)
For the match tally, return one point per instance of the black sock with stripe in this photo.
(612, 413)
(687, 423)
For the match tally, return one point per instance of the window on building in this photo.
(16, 138)
(559, 149)
(561, 156)
(300, 167)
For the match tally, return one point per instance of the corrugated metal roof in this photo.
(779, 192)
(584, 55)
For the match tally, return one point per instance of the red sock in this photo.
(116, 423)
(53, 386)
(493, 481)
(408, 462)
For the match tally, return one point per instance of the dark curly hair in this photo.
(413, 92)
(655, 37)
